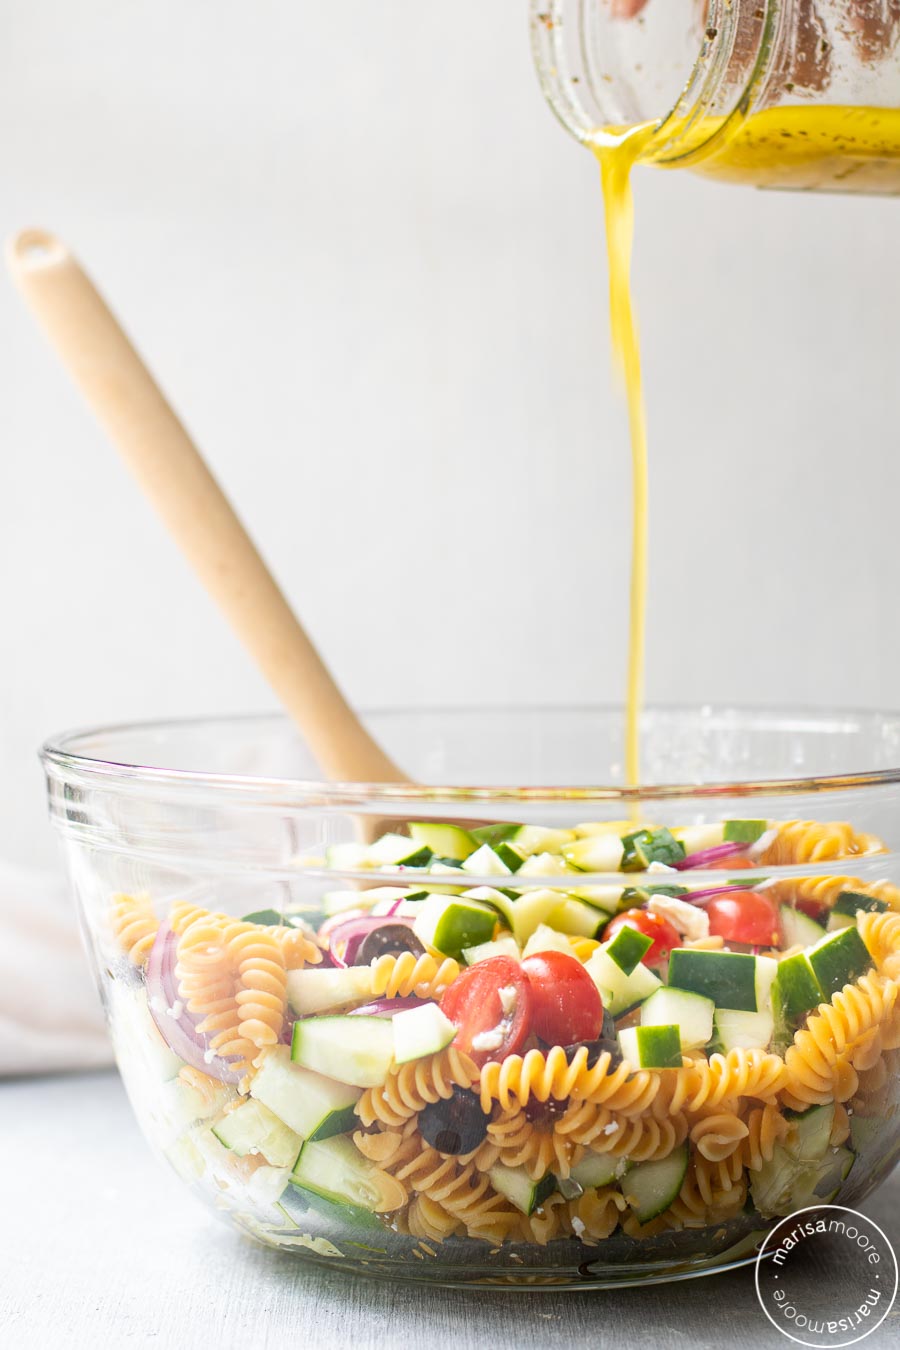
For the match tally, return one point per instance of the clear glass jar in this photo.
(181, 828)
(773, 93)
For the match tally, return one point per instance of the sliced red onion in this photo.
(386, 1007)
(710, 855)
(345, 940)
(176, 1025)
(697, 897)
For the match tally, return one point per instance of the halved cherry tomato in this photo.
(813, 910)
(743, 916)
(738, 863)
(567, 1005)
(654, 926)
(491, 1003)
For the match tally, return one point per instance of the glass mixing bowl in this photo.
(207, 855)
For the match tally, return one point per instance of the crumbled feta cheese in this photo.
(757, 849)
(690, 921)
(508, 999)
(208, 1056)
(578, 1226)
(488, 1040)
(660, 867)
(611, 1128)
(176, 1009)
(621, 1168)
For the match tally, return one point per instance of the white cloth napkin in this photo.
(50, 1014)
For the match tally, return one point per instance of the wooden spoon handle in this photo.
(161, 455)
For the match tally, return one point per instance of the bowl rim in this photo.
(60, 755)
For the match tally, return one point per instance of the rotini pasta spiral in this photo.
(766, 1127)
(134, 926)
(519, 1143)
(297, 948)
(514, 1080)
(640, 1140)
(881, 934)
(595, 1215)
(718, 1135)
(411, 1087)
(825, 890)
(550, 1220)
(819, 1063)
(703, 1084)
(257, 959)
(811, 841)
(463, 1192)
(405, 974)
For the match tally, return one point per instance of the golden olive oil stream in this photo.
(841, 148)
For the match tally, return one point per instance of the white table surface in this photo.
(101, 1248)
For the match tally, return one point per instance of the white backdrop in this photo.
(366, 264)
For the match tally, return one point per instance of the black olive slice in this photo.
(456, 1125)
(388, 939)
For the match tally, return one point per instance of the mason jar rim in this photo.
(61, 756)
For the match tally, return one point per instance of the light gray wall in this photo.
(367, 266)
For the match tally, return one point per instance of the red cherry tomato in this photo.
(743, 916)
(738, 863)
(567, 1006)
(491, 1000)
(654, 926)
(813, 910)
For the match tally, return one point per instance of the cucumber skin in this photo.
(640, 1172)
(326, 1208)
(728, 978)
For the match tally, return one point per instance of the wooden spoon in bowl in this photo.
(156, 447)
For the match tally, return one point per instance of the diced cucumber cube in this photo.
(546, 939)
(691, 1013)
(495, 834)
(628, 948)
(450, 925)
(595, 853)
(545, 865)
(504, 945)
(444, 841)
(619, 991)
(595, 1169)
(530, 839)
(838, 959)
(651, 1187)
(852, 902)
(519, 1188)
(651, 1047)
(737, 1030)
(698, 838)
(395, 850)
(253, 1128)
(335, 1170)
(527, 911)
(421, 1031)
(577, 919)
(606, 899)
(743, 831)
(311, 1105)
(811, 1133)
(355, 1050)
(766, 970)
(314, 990)
(509, 855)
(797, 928)
(485, 862)
(795, 991)
(728, 978)
(643, 847)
